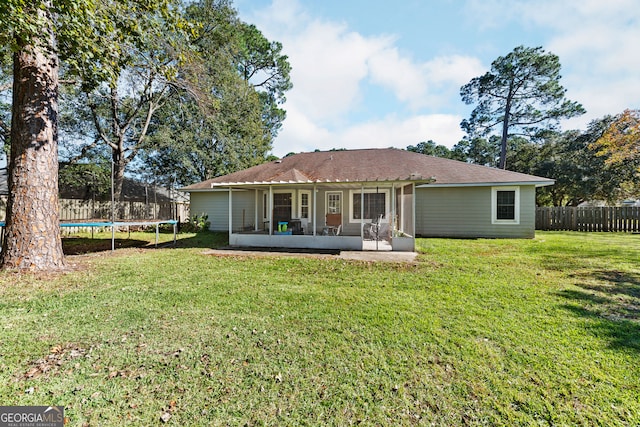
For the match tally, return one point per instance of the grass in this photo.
(478, 332)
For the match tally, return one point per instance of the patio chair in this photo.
(333, 224)
(372, 229)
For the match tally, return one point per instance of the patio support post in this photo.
(315, 208)
(255, 210)
(362, 212)
(394, 203)
(413, 209)
(401, 216)
(230, 212)
(271, 210)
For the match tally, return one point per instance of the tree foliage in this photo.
(246, 79)
(521, 95)
(92, 39)
(89, 180)
(581, 174)
(431, 148)
(262, 64)
(620, 142)
(185, 109)
(143, 75)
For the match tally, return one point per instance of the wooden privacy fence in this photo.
(78, 210)
(626, 219)
(75, 209)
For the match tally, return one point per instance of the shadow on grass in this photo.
(86, 245)
(611, 300)
(203, 239)
(83, 245)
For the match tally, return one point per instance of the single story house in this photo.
(366, 199)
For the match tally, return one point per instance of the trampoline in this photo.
(113, 226)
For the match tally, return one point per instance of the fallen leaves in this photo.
(168, 412)
(52, 362)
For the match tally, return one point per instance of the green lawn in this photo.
(479, 332)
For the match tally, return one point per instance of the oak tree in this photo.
(245, 76)
(620, 142)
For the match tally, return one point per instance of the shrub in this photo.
(196, 223)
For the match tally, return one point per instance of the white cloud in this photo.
(328, 65)
(595, 40)
(392, 131)
(331, 66)
(328, 61)
(401, 132)
(391, 70)
(338, 73)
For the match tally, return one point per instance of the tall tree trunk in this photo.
(32, 240)
(119, 166)
(505, 128)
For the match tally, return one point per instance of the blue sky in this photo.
(377, 73)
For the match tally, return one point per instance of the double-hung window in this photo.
(505, 205)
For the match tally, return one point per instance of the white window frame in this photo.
(494, 206)
(300, 206)
(387, 209)
(326, 206)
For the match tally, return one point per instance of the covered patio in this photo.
(352, 216)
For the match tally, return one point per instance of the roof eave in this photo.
(489, 184)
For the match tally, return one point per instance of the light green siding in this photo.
(463, 212)
(466, 212)
(216, 205)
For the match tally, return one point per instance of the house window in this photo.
(371, 204)
(334, 203)
(505, 205)
(304, 198)
(282, 206)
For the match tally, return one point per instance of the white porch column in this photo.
(255, 211)
(394, 203)
(230, 212)
(315, 208)
(362, 211)
(270, 210)
(401, 225)
(413, 209)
